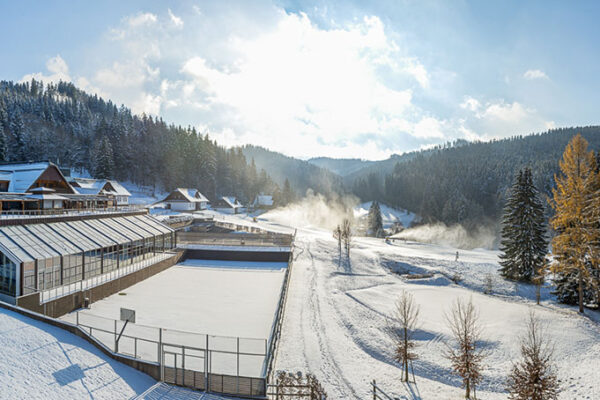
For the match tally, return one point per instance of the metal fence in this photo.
(8, 214)
(231, 365)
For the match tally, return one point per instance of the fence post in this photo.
(77, 318)
(374, 390)
(238, 365)
(159, 344)
(116, 343)
(206, 365)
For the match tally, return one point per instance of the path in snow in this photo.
(337, 319)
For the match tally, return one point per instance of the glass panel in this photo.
(8, 276)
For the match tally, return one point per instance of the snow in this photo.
(337, 316)
(389, 215)
(40, 361)
(225, 301)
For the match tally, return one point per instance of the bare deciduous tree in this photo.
(532, 377)
(337, 234)
(347, 235)
(406, 317)
(465, 356)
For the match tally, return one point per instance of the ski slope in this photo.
(337, 316)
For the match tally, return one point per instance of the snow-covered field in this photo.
(337, 318)
(39, 361)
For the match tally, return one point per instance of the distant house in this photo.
(102, 187)
(262, 201)
(228, 204)
(183, 199)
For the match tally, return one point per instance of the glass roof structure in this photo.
(25, 243)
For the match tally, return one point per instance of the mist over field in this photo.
(456, 236)
(315, 210)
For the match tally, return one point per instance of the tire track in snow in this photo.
(336, 378)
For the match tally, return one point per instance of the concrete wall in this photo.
(74, 301)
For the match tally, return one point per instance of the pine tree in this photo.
(375, 222)
(532, 377)
(17, 127)
(524, 245)
(3, 145)
(288, 194)
(571, 245)
(103, 160)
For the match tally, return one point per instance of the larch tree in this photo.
(574, 231)
(524, 244)
(533, 377)
(406, 316)
(465, 355)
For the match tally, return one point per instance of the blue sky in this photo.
(340, 79)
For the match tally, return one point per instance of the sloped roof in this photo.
(191, 195)
(231, 201)
(23, 175)
(96, 186)
(118, 188)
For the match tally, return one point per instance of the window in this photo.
(8, 276)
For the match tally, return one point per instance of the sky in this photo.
(349, 79)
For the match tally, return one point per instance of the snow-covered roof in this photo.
(22, 176)
(99, 186)
(118, 188)
(231, 201)
(190, 195)
(263, 200)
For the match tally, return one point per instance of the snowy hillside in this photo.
(389, 215)
(337, 317)
(43, 362)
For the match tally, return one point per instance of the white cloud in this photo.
(57, 70)
(535, 74)
(175, 19)
(319, 87)
(470, 104)
(142, 19)
(498, 119)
